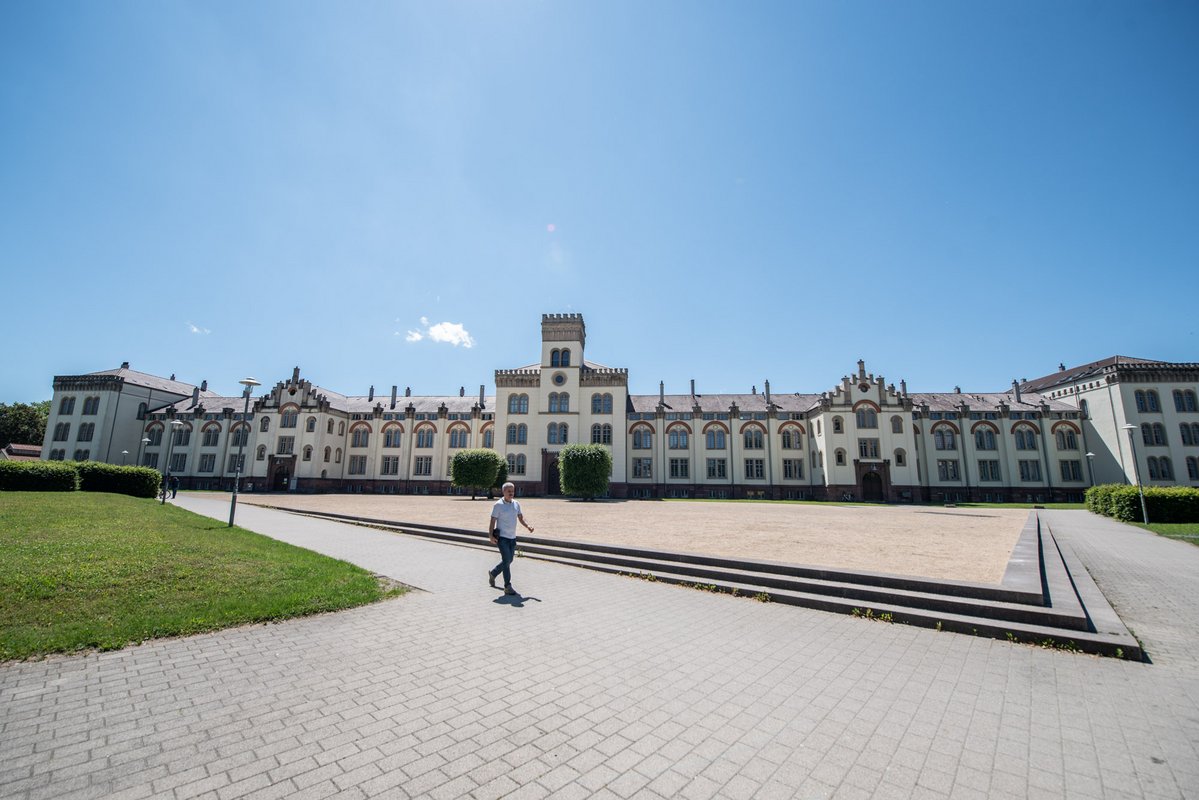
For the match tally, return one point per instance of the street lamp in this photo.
(140, 448)
(124, 455)
(175, 426)
(1136, 469)
(1091, 467)
(249, 383)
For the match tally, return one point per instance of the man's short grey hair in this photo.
(507, 485)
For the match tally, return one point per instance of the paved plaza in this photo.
(592, 685)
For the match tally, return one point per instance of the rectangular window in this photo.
(423, 465)
(83, 455)
(643, 467)
(390, 466)
(717, 468)
(988, 470)
(150, 460)
(357, 465)
(680, 468)
(237, 463)
(1071, 470)
(1030, 470)
(868, 448)
(287, 445)
(792, 469)
(755, 469)
(947, 469)
(208, 462)
(178, 462)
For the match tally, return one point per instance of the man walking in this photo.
(505, 513)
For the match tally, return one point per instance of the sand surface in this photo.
(950, 544)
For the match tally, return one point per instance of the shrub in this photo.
(95, 476)
(38, 476)
(1164, 503)
(584, 469)
(476, 468)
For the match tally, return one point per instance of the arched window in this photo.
(62, 432)
(677, 439)
(564, 402)
(944, 439)
(393, 436)
(141, 410)
(307, 452)
(153, 433)
(551, 434)
(1193, 468)
(1184, 430)
(1184, 401)
(265, 425)
(1147, 401)
(1026, 439)
(330, 427)
(212, 435)
(86, 431)
(1160, 469)
(1082, 406)
(601, 404)
(489, 438)
(424, 437)
(565, 361)
(715, 439)
(792, 439)
(261, 454)
(840, 457)
(555, 358)
(516, 464)
(310, 425)
(360, 436)
(984, 439)
(289, 418)
(866, 418)
(643, 439)
(838, 425)
(1066, 439)
(1153, 434)
(241, 435)
(601, 434)
(518, 434)
(183, 436)
(896, 424)
(459, 437)
(901, 457)
(328, 451)
(553, 406)
(337, 456)
(518, 404)
(341, 428)
(753, 438)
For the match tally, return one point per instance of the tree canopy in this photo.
(476, 468)
(23, 423)
(584, 470)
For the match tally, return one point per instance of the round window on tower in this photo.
(559, 379)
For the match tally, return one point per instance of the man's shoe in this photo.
(490, 579)
(509, 590)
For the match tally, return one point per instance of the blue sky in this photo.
(959, 193)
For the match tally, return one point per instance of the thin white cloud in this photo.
(446, 332)
(197, 329)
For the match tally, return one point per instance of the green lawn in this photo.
(82, 570)
(1184, 531)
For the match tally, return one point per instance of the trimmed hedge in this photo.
(96, 476)
(38, 476)
(1166, 504)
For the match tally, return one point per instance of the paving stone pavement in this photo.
(591, 685)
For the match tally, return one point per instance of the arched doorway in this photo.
(872, 486)
(553, 482)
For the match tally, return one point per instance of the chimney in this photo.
(753, 389)
(393, 396)
(203, 386)
(861, 368)
(371, 394)
(172, 376)
(903, 387)
(124, 365)
(661, 393)
(480, 395)
(957, 390)
(195, 396)
(295, 376)
(1016, 389)
(407, 391)
(693, 387)
(1061, 367)
(768, 392)
(462, 391)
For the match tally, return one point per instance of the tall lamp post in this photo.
(249, 383)
(175, 426)
(1091, 467)
(141, 447)
(1136, 470)
(124, 455)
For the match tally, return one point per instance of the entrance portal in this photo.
(872, 486)
(553, 483)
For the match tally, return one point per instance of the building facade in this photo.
(865, 439)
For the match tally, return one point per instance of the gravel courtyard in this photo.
(946, 543)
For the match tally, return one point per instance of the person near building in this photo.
(505, 513)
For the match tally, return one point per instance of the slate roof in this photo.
(22, 452)
(987, 401)
(1082, 373)
(719, 403)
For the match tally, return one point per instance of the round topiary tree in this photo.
(501, 477)
(476, 468)
(584, 470)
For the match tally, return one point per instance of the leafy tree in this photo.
(584, 470)
(501, 477)
(475, 468)
(23, 423)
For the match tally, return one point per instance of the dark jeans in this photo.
(507, 552)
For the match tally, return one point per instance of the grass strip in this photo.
(89, 570)
(1183, 531)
